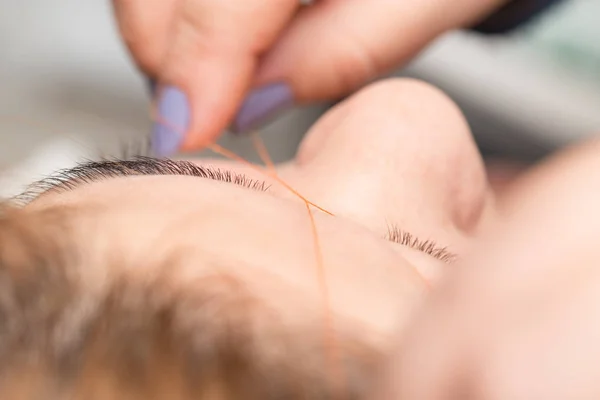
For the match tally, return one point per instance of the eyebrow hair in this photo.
(91, 171)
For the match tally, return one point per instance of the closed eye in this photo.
(430, 247)
(69, 179)
(88, 172)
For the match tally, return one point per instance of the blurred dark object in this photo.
(152, 85)
(514, 14)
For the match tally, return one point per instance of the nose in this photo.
(398, 150)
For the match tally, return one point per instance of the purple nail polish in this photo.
(174, 111)
(261, 105)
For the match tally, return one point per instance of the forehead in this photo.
(265, 240)
(111, 327)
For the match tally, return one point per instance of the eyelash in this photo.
(91, 171)
(139, 165)
(397, 235)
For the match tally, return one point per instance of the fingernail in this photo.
(261, 105)
(174, 111)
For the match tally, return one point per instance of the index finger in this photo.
(213, 52)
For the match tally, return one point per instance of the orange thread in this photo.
(232, 156)
(333, 359)
(262, 151)
(333, 356)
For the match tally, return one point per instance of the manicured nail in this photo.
(174, 112)
(261, 105)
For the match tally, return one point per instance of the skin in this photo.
(537, 275)
(378, 157)
(215, 51)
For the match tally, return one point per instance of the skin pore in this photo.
(205, 273)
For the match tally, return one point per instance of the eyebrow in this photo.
(92, 171)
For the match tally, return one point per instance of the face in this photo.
(396, 167)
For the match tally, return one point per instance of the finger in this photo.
(211, 60)
(333, 47)
(144, 25)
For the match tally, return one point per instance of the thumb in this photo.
(333, 47)
(214, 47)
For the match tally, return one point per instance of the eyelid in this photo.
(430, 247)
(69, 179)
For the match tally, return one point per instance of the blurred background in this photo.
(68, 90)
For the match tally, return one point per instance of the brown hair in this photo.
(68, 332)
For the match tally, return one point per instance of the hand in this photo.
(521, 320)
(210, 53)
